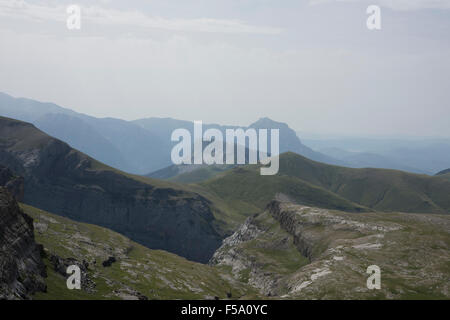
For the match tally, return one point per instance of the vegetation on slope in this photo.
(138, 272)
(444, 174)
(380, 189)
(312, 183)
(247, 192)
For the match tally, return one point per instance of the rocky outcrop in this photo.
(62, 180)
(411, 250)
(137, 273)
(303, 240)
(14, 184)
(229, 252)
(60, 265)
(22, 271)
(245, 265)
(108, 262)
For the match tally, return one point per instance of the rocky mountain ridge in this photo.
(334, 249)
(158, 215)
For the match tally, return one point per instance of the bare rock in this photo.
(22, 270)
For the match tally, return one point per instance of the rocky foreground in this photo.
(22, 271)
(114, 267)
(288, 251)
(298, 252)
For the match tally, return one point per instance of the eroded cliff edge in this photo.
(299, 252)
(22, 271)
(63, 180)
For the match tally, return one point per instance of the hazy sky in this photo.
(311, 63)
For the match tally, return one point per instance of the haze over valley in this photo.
(224, 150)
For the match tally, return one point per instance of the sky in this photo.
(313, 64)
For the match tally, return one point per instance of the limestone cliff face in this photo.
(233, 253)
(22, 271)
(304, 240)
(62, 180)
(337, 248)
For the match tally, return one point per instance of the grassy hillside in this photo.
(380, 189)
(312, 183)
(137, 272)
(446, 171)
(186, 174)
(247, 192)
(444, 174)
(199, 175)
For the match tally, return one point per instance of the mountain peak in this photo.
(267, 123)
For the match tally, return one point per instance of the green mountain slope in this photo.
(446, 171)
(201, 174)
(137, 273)
(312, 183)
(380, 189)
(247, 192)
(444, 174)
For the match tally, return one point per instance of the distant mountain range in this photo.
(141, 146)
(118, 143)
(420, 155)
(368, 160)
(289, 142)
